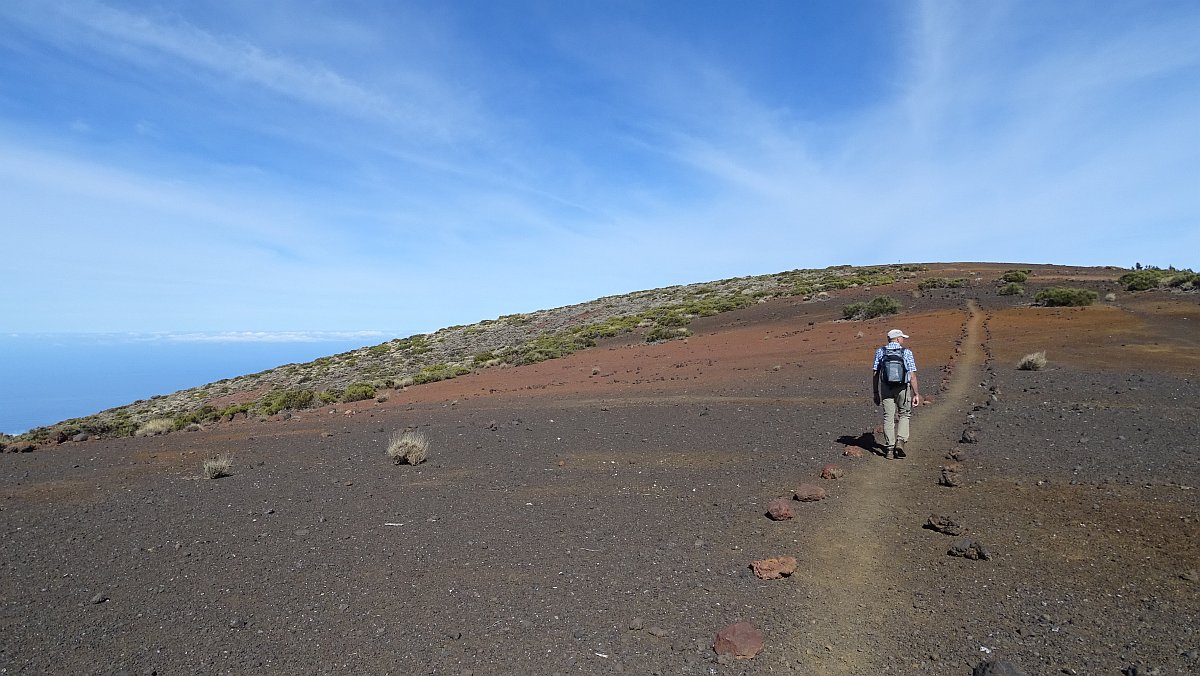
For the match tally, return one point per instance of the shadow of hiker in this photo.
(865, 441)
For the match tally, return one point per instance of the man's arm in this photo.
(875, 387)
(916, 389)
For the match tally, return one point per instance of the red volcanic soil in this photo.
(600, 513)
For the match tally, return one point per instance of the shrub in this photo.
(436, 372)
(1140, 280)
(1033, 362)
(1012, 289)
(359, 392)
(667, 333)
(877, 307)
(155, 427)
(409, 446)
(941, 283)
(215, 468)
(1063, 296)
(1015, 276)
(281, 400)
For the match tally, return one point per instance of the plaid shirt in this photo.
(910, 363)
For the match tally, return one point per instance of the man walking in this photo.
(895, 386)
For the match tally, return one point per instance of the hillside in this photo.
(600, 512)
(512, 340)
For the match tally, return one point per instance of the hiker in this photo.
(895, 386)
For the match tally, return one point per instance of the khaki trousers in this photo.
(897, 411)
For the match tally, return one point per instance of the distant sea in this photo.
(48, 378)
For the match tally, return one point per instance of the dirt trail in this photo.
(856, 561)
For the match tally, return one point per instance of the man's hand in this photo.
(876, 399)
(916, 400)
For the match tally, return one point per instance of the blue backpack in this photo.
(892, 369)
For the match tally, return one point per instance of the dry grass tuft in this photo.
(409, 446)
(154, 427)
(215, 468)
(1033, 362)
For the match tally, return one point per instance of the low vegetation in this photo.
(409, 447)
(1032, 362)
(1064, 296)
(878, 306)
(516, 339)
(1015, 276)
(154, 427)
(1012, 289)
(1153, 278)
(215, 468)
(942, 283)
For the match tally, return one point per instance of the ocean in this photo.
(47, 378)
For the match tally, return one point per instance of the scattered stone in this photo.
(741, 640)
(82, 436)
(809, 493)
(831, 472)
(943, 524)
(236, 623)
(970, 549)
(774, 568)
(950, 476)
(957, 456)
(1191, 575)
(997, 668)
(969, 436)
(780, 509)
(658, 632)
(98, 599)
(636, 624)
(853, 452)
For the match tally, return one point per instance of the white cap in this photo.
(896, 333)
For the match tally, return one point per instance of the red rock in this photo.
(741, 640)
(831, 472)
(774, 568)
(809, 493)
(853, 452)
(779, 509)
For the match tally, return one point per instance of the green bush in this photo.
(1062, 296)
(436, 372)
(359, 392)
(1140, 280)
(1015, 276)
(660, 333)
(1012, 289)
(877, 307)
(285, 400)
(941, 283)
(329, 396)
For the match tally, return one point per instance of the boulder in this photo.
(853, 452)
(831, 472)
(780, 509)
(969, 549)
(943, 524)
(741, 640)
(774, 568)
(950, 477)
(809, 493)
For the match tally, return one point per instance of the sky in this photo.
(277, 167)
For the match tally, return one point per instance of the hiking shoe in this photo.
(898, 452)
(887, 453)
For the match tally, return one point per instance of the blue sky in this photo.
(269, 166)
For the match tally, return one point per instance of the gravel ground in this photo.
(599, 513)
